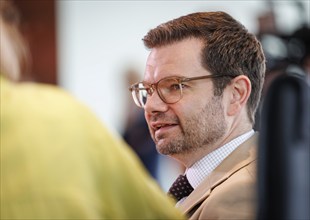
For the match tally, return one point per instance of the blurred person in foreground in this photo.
(202, 84)
(57, 160)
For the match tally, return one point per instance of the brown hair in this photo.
(228, 49)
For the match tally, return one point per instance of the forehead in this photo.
(182, 58)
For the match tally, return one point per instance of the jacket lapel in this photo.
(239, 158)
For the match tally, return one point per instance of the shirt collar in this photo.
(202, 168)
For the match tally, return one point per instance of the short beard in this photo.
(199, 131)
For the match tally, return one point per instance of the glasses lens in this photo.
(139, 94)
(170, 90)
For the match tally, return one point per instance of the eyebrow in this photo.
(172, 76)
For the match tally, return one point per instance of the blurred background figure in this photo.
(57, 160)
(284, 152)
(284, 50)
(136, 132)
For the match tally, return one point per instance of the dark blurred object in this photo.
(283, 48)
(281, 52)
(284, 149)
(137, 135)
(299, 48)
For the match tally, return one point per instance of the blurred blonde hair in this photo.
(14, 51)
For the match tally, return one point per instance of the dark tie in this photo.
(180, 188)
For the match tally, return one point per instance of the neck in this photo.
(189, 158)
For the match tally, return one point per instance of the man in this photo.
(201, 88)
(57, 160)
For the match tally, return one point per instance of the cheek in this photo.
(184, 111)
(147, 119)
(228, 107)
(193, 104)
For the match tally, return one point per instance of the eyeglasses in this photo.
(169, 89)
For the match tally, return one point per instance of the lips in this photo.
(157, 125)
(162, 129)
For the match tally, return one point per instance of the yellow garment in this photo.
(59, 162)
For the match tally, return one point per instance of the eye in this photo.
(183, 85)
(175, 87)
(170, 85)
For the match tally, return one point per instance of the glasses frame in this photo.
(154, 86)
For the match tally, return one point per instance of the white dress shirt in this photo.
(202, 168)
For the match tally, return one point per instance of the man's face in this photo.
(198, 119)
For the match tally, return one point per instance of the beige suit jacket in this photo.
(229, 192)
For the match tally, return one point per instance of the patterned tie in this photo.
(180, 188)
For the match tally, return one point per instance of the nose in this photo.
(155, 104)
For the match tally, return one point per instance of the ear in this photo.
(240, 93)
